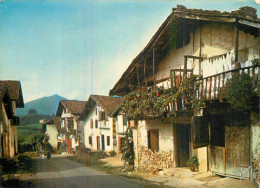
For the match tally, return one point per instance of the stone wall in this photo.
(153, 161)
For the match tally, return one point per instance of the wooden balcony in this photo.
(211, 87)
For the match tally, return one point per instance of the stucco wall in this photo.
(216, 39)
(148, 160)
(53, 134)
(255, 141)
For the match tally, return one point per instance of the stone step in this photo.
(178, 172)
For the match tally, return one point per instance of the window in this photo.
(90, 140)
(70, 123)
(200, 132)
(124, 120)
(96, 123)
(91, 123)
(108, 140)
(96, 110)
(102, 116)
(153, 139)
(217, 130)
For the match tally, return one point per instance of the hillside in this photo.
(44, 105)
(33, 118)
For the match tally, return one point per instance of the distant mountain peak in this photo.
(46, 105)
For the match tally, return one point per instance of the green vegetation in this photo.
(33, 118)
(240, 90)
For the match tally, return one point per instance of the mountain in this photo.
(44, 105)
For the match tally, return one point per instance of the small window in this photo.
(70, 123)
(96, 110)
(153, 139)
(91, 123)
(90, 140)
(102, 116)
(96, 123)
(108, 140)
(124, 120)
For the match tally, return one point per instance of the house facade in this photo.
(69, 111)
(99, 125)
(52, 128)
(10, 98)
(214, 45)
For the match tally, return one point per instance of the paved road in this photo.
(61, 172)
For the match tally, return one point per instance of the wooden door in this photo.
(237, 151)
(98, 143)
(103, 142)
(68, 143)
(183, 132)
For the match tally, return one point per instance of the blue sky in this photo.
(78, 48)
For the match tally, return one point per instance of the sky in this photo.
(75, 48)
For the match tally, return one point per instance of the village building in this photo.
(10, 98)
(214, 45)
(52, 129)
(99, 125)
(68, 111)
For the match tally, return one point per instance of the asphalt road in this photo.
(61, 172)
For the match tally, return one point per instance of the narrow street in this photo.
(61, 172)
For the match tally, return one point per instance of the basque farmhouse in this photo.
(68, 111)
(11, 97)
(100, 127)
(179, 85)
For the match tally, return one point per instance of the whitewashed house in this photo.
(98, 123)
(212, 44)
(68, 111)
(52, 128)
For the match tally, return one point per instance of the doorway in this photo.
(98, 143)
(182, 138)
(103, 141)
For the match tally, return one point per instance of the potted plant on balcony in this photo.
(193, 163)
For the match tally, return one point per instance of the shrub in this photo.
(239, 91)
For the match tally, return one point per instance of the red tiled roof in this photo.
(15, 91)
(74, 107)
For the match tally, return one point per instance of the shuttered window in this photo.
(108, 140)
(124, 120)
(102, 116)
(70, 123)
(90, 140)
(91, 123)
(153, 139)
(96, 123)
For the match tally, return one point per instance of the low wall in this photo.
(153, 161)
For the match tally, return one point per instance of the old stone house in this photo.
(212, 44)
(10, 98)
(69, 111)
(99, 125)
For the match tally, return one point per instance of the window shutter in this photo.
(99, 115)
(91, 123)
(106, 117)
(154, 138)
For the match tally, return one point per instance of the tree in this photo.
(32, 111)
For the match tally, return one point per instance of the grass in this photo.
(29, 129)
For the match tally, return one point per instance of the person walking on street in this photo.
(42, 154)
(48, 155)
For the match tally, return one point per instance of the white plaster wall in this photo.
(165, 133)
(216, 38)
(53, 134)
(108, 132)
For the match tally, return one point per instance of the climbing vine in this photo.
(143, 104)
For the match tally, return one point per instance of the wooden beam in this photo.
(144, 73)
(153, 68)
(138, 77)
(236, 43)
(192, 57)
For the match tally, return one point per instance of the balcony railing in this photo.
(211, 87)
